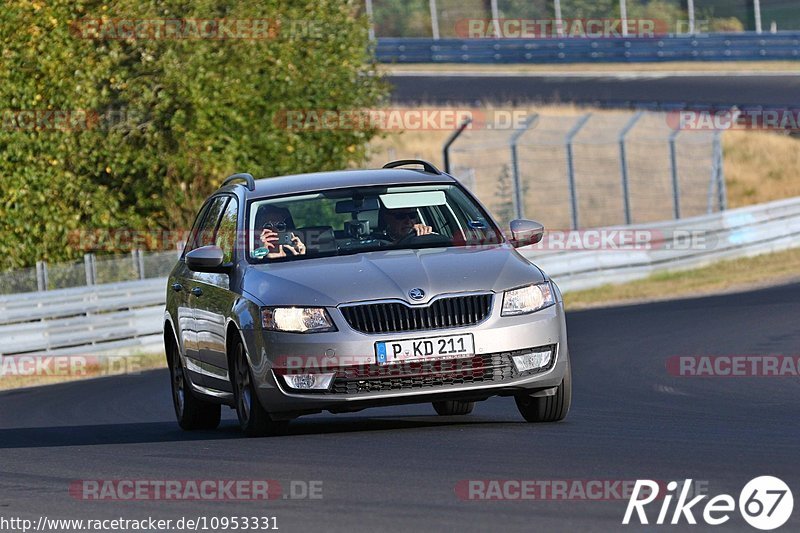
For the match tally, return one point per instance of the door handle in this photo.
(197, 291)
(177, 287)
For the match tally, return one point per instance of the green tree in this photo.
(167, 119)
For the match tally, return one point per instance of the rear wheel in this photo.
(548, 408)
(453, 407)
(253, 418)
(192, 412)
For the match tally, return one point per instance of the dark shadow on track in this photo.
(154, 432)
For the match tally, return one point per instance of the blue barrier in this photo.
(707, 47)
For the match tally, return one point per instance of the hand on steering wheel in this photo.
(417, 231)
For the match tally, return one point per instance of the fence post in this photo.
(434, 19)
(673, 167)
(450, 140)
(719, 172)
(88, 260)
(519, 201)
(712, 184)
(41, 275)
(573, 192)
(371, 20)
(626, 196)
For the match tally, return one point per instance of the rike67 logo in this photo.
(765, 503)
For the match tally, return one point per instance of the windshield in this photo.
(365, 219)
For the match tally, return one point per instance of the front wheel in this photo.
(548, 408)
(192, 412)
(253, 418)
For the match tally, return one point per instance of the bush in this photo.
(166, 120)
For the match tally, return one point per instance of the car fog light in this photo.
(310, 381)
(532, 361)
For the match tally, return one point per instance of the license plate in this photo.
(432, 348)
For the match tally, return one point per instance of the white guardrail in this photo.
(742, 232)
(126, 317)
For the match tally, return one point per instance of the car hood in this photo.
(330, 281)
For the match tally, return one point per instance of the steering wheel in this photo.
(420, 239)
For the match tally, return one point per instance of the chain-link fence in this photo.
(92, 270)
(593, 170)
(448, 18)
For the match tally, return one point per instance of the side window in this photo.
(226, 234)
(191, 242)
(438, 220)
(207, 234)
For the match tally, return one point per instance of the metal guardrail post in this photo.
(140, 264)
(88, 263)
(673, 167)
(719, 174)
(623, 158)
(135, 263)
(450, 140)
(519, 201)
(41, 275)
(573, 191)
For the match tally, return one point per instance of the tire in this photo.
(548, 408)
(253, 418)
(453, 407)
(192, 412)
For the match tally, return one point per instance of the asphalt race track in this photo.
(651, 90)
(397, 468)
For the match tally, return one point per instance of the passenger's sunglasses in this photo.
(275, 226)
(410, 215)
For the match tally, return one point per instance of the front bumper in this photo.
(361, 383)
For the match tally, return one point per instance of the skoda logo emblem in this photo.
(416, 294)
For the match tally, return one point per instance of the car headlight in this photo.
(297, 319)
(528, 299)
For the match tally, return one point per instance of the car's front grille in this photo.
(394, 317)
(488, 368)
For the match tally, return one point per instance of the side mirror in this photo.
(206, 259)
(525, 232)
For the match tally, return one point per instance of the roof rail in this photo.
(404, 162)
(251, 183)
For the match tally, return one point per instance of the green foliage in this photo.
(176, 116)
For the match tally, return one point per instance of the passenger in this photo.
(273, 219)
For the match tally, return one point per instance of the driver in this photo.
(400, 223)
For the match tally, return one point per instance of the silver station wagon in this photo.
(339, 291)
